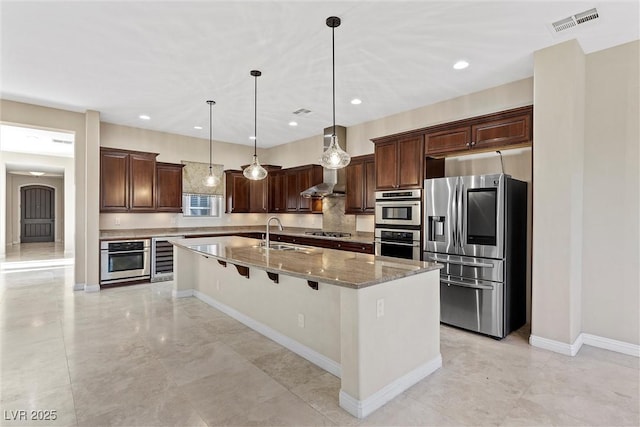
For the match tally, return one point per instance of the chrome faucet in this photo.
(269, 222)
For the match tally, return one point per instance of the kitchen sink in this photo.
(286, 247)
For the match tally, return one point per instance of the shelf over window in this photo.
(194, 174)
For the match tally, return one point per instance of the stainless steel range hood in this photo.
(333, 181)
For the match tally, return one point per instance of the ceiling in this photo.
(165, 59)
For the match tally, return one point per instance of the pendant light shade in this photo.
(255, 171)
(334, 157)
(211, 180)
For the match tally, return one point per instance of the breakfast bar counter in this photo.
(372, 321)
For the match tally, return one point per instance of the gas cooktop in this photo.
(328, 233)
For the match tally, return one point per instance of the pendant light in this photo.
(254, 171)
(334, 157)
(211, 180)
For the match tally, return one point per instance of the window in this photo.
(201, 205)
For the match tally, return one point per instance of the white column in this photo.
(92, 201)
(558, 163)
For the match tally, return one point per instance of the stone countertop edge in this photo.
(423, 266)
(139, 233)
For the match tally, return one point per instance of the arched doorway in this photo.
(37, 214)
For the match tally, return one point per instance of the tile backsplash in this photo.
(334, 218)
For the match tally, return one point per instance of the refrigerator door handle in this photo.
(466, 285)
(466, 264)
(459, 214)
(454, 214)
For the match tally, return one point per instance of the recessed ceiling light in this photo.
(144, 117)
(460, 65)
(198, 127)
(356, 101)
(36, 173)
(293, 123)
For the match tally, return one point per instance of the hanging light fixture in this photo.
(211, 180)
(254, 171)
(334, 157)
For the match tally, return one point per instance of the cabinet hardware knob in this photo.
(468, 145)
(473, 143)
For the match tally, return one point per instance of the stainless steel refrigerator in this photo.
(476, 226)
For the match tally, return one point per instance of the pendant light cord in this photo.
(255, 116)
(333, 78)
(210, 136)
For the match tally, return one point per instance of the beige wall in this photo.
(586, 161)
(14, 184)
(610, 272)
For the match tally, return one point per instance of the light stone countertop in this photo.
(138, 233)
(347, 269)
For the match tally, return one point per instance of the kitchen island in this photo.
(372, 321)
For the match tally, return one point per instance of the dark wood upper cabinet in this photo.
(258, 196)
(506, 129)
(127, 181)
(277, 192)
(361, 183)
(114, 181)
(245, 195)
(142, 168)
(444, 141)
(399, 162)
(169, 187)
(296, 181)
(237, 192)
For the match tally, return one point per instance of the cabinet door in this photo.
(258, 196)
(169, 187)
(410, 161)
(114, 181)
(386, 161)
(356, 177)
(369, 186)
(142, 185)
(237, 192)
(277, 192)
(304, 182)
(448, 140)
(506, 131)
(293, 194)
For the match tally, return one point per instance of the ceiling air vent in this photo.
(574, 20)
(62, 141)
(302, 112)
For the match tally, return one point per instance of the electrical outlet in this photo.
(117, 220)
(301, 320)
(380, 307)
(218, 284)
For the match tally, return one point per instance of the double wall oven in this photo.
(398, 217)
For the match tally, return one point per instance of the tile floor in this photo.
(133, 356)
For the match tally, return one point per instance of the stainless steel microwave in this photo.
(398, 207)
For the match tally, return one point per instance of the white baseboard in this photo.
(587, 339)
(183, 293)
(79, 287)
(613, 345)
(302, 350)
(557, 346)
(362, 408)
(92, 288)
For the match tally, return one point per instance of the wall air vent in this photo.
(302, 112)
(574, 20)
